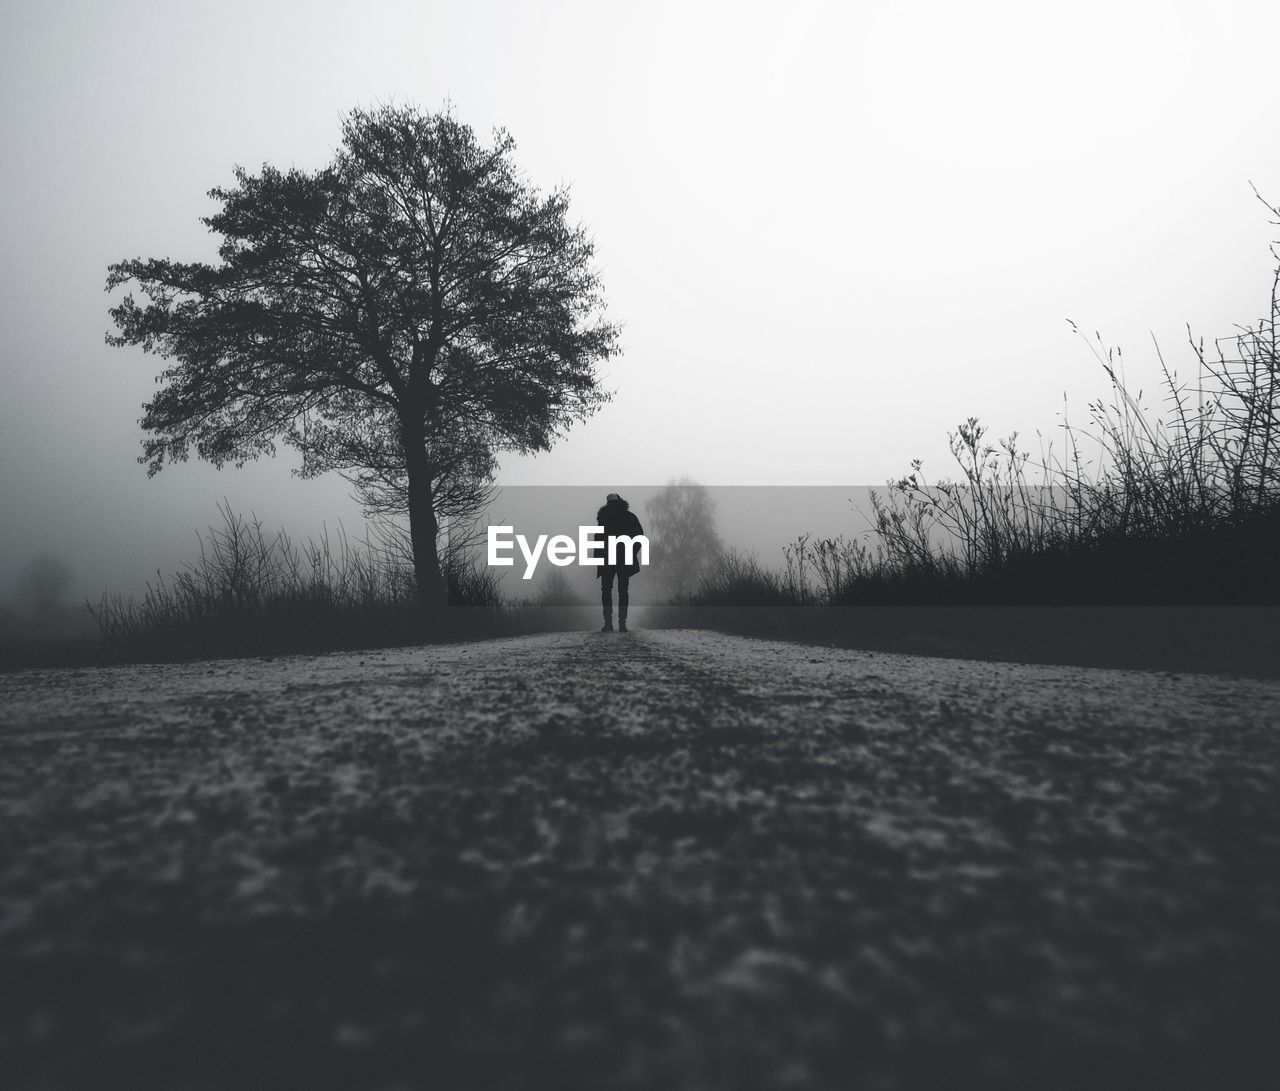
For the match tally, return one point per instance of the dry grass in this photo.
(1177, 504)
(251, 593)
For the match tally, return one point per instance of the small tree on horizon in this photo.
(399, 316)
(43, 584)
(686, 545)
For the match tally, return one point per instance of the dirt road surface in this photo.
(655, 860)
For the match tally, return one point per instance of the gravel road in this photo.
(666, 859)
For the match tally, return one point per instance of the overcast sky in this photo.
(829, 231)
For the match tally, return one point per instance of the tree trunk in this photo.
(423, 528)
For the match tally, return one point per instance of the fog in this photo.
(756, 521)
(829, 231)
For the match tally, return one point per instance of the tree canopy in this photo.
(399, 316)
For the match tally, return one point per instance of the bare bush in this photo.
(248, 586)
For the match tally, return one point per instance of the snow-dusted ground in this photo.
(667, 859)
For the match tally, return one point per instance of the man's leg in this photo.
(624, 597)
(606, 595)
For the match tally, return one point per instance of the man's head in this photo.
(613, 498)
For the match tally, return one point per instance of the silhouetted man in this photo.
(618, 520)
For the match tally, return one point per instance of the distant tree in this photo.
(399, 316)
(557, 589)
(43, 584)
(681, 521)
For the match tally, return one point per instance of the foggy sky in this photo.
(830, 231)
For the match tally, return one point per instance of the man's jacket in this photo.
(618, 520)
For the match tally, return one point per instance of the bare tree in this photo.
(43, 584)
(685, 545)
